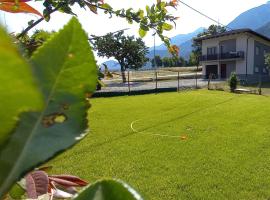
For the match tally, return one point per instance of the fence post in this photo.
(178, 81)
(197, 77)
(156, 82)
(260, 84)
(128, 84)
(209, 80)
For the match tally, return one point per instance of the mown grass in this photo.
(226, 154)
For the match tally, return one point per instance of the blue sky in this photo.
(222, 10)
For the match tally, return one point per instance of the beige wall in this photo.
(209, 43)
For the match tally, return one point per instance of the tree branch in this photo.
(25, 31)
(93, 37)
(110, 11)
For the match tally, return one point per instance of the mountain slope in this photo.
(253, 18)
(185, 50)
(112, 65)
(183, 41)
(264, 30)
(179, 39)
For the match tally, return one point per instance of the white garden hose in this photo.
(153, 134)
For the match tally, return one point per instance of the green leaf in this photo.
(16, 192)
(167, 27)
(66, 72)
(106, 6)
(152, 10)
(141, 14)
(147, 10)
(163, 5)
(144, 27)
(129, 20)
(117, 12)
(142, 32)
(46, 15)
(108, 190)
(129, 11)
(18, 91)
(91, 7)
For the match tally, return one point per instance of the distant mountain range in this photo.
(257, 19)
(253, 18)
(183, 41)
(112, 65)
(180, 39)
(264, 30)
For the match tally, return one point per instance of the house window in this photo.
(264, 70)
(257, 51)
(211, 50)
(264, 52)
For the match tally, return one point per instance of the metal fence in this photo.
(175, 79)
(249, 84)
(152, 81)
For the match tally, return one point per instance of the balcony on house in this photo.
(224, 56)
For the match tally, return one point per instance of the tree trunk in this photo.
(124, 79)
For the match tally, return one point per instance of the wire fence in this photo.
(247, 84)
(152, 81)
(176, 79)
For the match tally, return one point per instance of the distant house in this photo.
(241, 51)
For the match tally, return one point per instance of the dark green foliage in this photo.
(193, 59)
(233, 81)
(267, 60)
(157, 62)
(166, 62)
(32, 43)
(179, 62)
(174, 62)
(129, 51)
(213, 30)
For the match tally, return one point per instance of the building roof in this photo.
(233, 32)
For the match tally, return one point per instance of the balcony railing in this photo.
(223, 56)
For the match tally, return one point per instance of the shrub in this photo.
(233, 81)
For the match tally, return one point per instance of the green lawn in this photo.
(226, 154)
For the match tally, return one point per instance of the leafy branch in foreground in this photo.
(48, 115)
(29, 44)
(52, 104)
(154, 17)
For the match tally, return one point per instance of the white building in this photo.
(241, 51)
